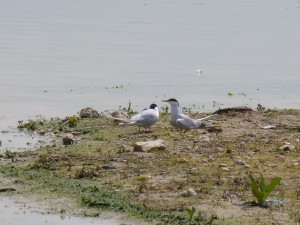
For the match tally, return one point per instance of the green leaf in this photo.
(272, 185)
(262, 184)
(191, 213)
(255, 190)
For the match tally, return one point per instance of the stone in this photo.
(88, 113)
(119, 114)
(226, 169)
(203, 138)
(242, 163)
(69, 139)
(222, 165)
(219, 149)
(125, 148)
(189, 193)
(149, 146)
(269, 127)
(287, 147)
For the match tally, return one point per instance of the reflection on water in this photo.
(12, 213)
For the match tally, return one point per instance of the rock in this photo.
(269, 127)
(239, 109)
(226, 169)
(222, 165)
(149, 146)
(189, 193)
(219, 149)
(89, 113)
(41, 132)
(203, 138)
(242, 163)
(287, 147)
(69, 139)
(119, 114)
(125, 148)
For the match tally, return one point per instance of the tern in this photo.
(183, 122)
(145, 119)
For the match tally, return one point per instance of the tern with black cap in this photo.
(145, 118)
(182, 121)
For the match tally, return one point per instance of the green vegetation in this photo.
(261, 190)
(9, 155)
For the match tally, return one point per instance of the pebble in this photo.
(269, 127)
(225, 169)
(287, 147)
(223, 165)
(242, 163)
(189, 193)
(203, 138)
(219, 149)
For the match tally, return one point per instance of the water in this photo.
(18, 213)
(59, 56)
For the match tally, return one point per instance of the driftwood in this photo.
(240, 109)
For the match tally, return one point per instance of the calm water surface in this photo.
(59, 56)
(18, 213)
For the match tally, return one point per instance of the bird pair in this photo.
(150, 116)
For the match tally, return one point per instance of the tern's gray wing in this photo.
(187, 123)
(144, 119)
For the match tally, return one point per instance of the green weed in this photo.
(261, 190)
(9, 155)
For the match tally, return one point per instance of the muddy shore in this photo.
(203, 171)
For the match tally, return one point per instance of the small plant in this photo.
(128, 110)
(31, 124)
(261, 190)
(199, 219)
(73, 120)
(10, 155)
(191, 213)
(44, 161)
(84, 172)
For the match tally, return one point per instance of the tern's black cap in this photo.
(153, 106)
